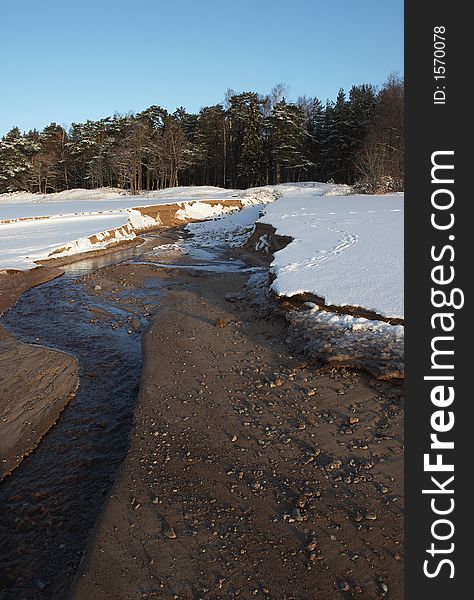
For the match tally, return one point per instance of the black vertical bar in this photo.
(438, 127)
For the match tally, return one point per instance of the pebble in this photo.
(169, 532)
(300, 503)
(344, 586)
(383, 588)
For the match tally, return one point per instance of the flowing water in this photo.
(52, 500)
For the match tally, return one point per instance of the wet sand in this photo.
(250, 472)
(35, 382)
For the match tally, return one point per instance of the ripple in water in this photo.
(54, 497)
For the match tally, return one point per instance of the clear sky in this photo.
(70, 60)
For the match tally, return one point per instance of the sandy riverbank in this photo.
(250, 472)
(35, 382)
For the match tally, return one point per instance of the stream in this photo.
(52, 500)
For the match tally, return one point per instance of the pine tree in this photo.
(313, 111)
(16, 152)
(246, 135)
(290, 142)
(248, 140)
(250, 167)
(209, 145)
(336, 140)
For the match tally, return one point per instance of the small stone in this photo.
(371, 516)
(301, 502)
(383, 588)
(344, 586)
(169, 531)
(97, 288)
(296, 514)
(135, 324)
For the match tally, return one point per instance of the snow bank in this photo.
(200, 210)
(230, 229)
(22, 243)
(347, 250)
(141, 222)
(373, 345)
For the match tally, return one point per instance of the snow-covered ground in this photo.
(36, 226)
(20, 205)
(232, 229)
(33, 226)
(22, 243)
(347, 250)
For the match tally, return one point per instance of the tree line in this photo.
(246, 141)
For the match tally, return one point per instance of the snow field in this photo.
(347, 250)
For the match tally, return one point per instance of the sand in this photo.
(250, 473)
(36, 383)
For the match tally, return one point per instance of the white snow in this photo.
(141, 222)
(33, 226)
(199, 210)
(347, 250)
(20, 205)
(21, 243)
(230, 229)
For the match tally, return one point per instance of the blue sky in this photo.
(68, 60)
